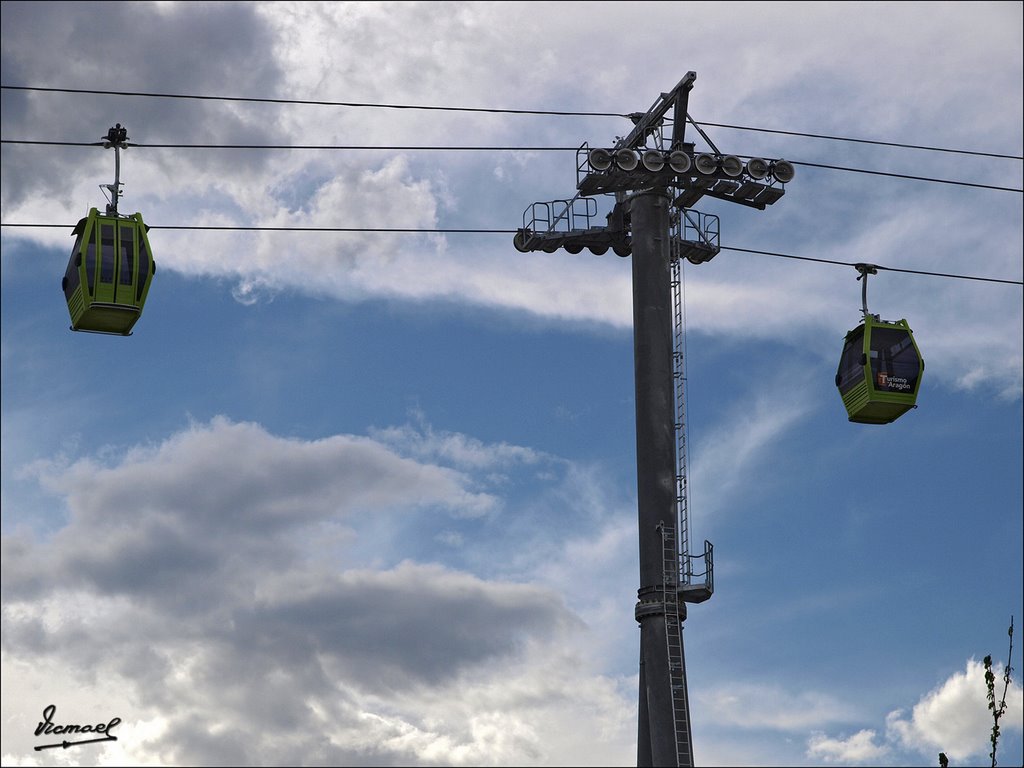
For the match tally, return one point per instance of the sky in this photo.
(369, 498)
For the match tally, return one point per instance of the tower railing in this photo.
(560, 215)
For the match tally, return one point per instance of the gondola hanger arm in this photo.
(116, 137)
(865, 270)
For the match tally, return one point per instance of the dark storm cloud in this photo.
(203, 506)
(435, 621)
(238, 684)
(184, 571)
(180, 48)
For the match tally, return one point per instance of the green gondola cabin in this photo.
(880, 371)
(109, 273)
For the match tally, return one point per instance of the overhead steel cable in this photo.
(319, 103)
(350, 147)
(899, 145)
(877, 266)
(423, 231)
(908, 176)
(293, 146)
(291, 228)
(875, 142)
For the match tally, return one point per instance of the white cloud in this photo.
(970, 333)
(188, 595)
(530, 714)
(954, 717)
(858, 749)
(773, 707)
(746, 437)
(424, 443)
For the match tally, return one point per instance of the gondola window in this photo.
(851, 367)
(894, 361)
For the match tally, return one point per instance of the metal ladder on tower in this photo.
(679, 379)
(690, 241)
(674, 643)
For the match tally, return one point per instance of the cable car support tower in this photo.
(655, 176)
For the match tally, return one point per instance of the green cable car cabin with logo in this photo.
(880, 371)
(109, 273)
